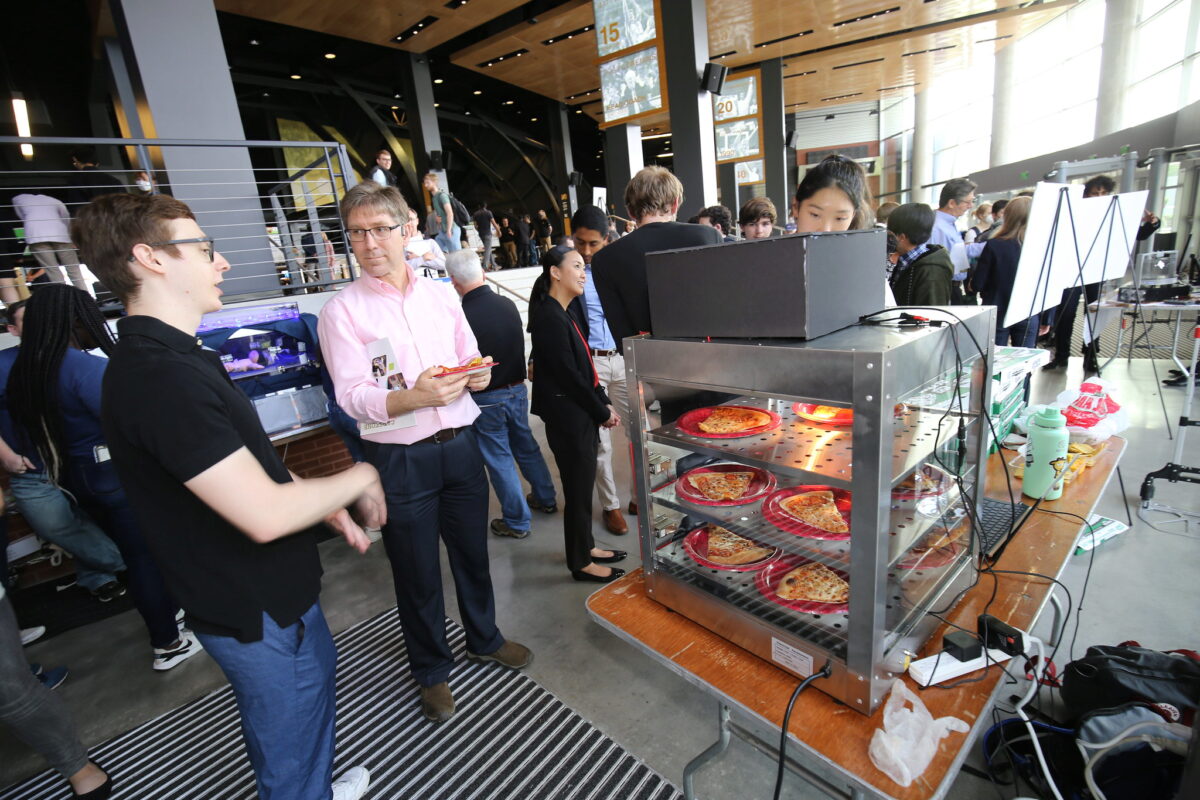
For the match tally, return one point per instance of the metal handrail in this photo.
(515, 294)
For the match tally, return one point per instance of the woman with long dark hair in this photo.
(567, 395)
(833, 196)
(54, 399)
(996, 274)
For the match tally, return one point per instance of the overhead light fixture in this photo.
(579, 111)
(437, 105)
(498, 59)
(665, 155)
(331, 56)
(438, 80)
(395, 108)
(415, 29)
(656, 136)
(477, 92)
(21, 115)
(296, 76)
(533, 119)
(507, 102)
(254, 42)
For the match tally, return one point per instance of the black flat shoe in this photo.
(101, 792)
(588, 577)
(617, 555)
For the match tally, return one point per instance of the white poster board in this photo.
(1071, 241)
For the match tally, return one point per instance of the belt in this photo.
(509, 385)
(441, 436)
(604, 353)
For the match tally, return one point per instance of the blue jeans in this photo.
(54, 518)
(503, 432)
(450, 241)
(284, 685)
(98, 490)
(1023, 334)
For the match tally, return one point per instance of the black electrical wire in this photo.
(824, 672)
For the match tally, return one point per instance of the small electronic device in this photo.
(962, 645)
(1000, 635)
(1154, 294)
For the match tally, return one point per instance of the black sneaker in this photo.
(501, 528)
(108, 592)
(548, 508)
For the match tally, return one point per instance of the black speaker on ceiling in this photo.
(435, 160)
(714, 76)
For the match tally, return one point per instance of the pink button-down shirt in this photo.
(426, 328)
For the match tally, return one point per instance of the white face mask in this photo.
(985, 221)
(145, 186)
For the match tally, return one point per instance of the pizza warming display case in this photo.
(868, 448)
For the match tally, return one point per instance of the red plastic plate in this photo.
(845, 416)
(690, 421)
(768, 578)
(466, 369)
(695, 544)
(761, 484)
(773, 511)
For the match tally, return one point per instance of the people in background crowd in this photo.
(957, 197)
(508, 242)
(48, 236)
(232, 529)
(524, 231)
(89, 181)
(567, 395)
(486, 227)
(884, 210)
(833, 197)
(422, 254)
(44, 505)
(422, 443)
(721, 218)
(997, 221)
(381, 170)
(982, 217)
(996, 274)
(544, 230)
(588, 224)
(53, 396)
(446, 232)
(502, 426)
(923, 275)
(757, 218)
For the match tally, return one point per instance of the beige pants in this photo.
(52, 255)
(611, 370)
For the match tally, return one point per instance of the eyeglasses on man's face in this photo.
(380, 234)
(208, 246)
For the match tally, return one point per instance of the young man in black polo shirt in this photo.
(231, 529)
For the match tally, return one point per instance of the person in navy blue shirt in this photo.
(54, 399)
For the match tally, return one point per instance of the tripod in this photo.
(1175, 471)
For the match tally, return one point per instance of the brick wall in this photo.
(316, 456)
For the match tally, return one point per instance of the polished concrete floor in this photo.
(1142, 587)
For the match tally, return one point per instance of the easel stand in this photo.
(1176, 471)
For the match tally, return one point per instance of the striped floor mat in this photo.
(510, 739)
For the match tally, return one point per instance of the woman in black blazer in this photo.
(567, 395)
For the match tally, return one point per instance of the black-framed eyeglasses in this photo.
(211, 252)
(380, 234)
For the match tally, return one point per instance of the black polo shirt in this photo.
(497, 327)
(170, 412)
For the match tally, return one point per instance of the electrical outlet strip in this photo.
(950, 667)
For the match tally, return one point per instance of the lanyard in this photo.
(588, 352)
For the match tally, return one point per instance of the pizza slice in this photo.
(918, 482)
(726, 547)
(825, 412)
(815, 583)
(727, 419)
(817, 509)
(722, 486)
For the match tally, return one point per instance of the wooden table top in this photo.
(826, 727)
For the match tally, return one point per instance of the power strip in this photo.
(949, 667)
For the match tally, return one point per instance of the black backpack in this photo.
(1111, 676)
(461, 218)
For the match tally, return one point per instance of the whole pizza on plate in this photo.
(817, 509)
(813, 583)
(733, 419)
(726, 547)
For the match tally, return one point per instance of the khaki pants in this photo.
(510, 254)
(51, 255)
(611, 371)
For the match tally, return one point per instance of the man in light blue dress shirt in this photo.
(958, 196)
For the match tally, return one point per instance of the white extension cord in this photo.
(1040, 664)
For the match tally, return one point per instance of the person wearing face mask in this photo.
(983, 222)
(567, 395)
(143, 184)
(833, 197)
(757, 218)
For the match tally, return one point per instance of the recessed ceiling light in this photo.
(579, 111)
(254, 42)
(331, 55)
(477, 92)
(395, 108)
(437, 105)
(508, 102)
(296, 76)
(437, 80)
(533, 119)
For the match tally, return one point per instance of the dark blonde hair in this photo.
(373, 196)
(107, 229)
(1016, 219)
(653, 190)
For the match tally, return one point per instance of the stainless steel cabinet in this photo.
(899, 442)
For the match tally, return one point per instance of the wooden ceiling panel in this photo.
(375, 21)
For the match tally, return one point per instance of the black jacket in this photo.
(620, 272)
(564, 386)
(927, 281)
(496, 324)
(996, 273)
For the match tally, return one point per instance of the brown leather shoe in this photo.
(510, 654)
(614, 522)
(632, 509)
(437, 704)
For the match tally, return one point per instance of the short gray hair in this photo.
(463, 267)
(374, 197)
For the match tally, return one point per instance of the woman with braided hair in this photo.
(54, 399)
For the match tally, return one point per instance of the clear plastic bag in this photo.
(1092, 413)
(908, 740)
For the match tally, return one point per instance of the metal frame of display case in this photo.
(875, 371)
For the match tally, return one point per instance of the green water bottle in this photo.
(1046, 455)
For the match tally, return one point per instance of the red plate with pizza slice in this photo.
(824, 415)
(789, 580)
(728, 422)
(471, 366)
(811, 511)
(716, 548)
(724, 484)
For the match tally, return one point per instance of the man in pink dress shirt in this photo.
(419, 437)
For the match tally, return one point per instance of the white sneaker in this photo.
(352, 785)
(30, 635)
(167, 657)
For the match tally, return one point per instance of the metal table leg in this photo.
(1056, 625)
(716, 749)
